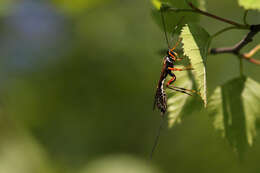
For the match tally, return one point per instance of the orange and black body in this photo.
(160, 100)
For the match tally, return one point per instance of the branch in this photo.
(252, 52)
(217, 17)
(196, 10)
(254, 29)
(248, 55)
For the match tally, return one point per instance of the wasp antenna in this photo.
(177, 25)
(157, 136)
(180, 21)
(164, 28)
(182, 18)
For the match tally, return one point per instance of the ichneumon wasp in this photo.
(160, 99)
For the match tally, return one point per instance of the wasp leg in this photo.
(179, 69)
(184, 89)
(173, 79)
(179, 89)
(179, 59)
(174, 47)
(177, 56)
(176, 89)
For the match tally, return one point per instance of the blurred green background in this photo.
(77, 85)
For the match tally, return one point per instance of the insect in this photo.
(160, 99)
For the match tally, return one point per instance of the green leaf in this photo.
(195, 45)
(235, 109)
(173, 18)
(157, 4)
(177, 100)
(180, 104)
(250, 4)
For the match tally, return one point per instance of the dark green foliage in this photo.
(175, 18)
(235, 109)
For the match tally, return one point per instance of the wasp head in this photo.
(172, 55)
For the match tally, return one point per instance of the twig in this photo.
(248, 56)
(196, 10)
(254, 29)
(217, 17)
(252, 60)
(223, 30)
(255, 61)
(252, 52)
(181, 10)
(199, 11)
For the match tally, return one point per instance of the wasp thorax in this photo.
(171, 54)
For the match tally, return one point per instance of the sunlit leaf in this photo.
(180, 104)
(174, 18)
(157, 4)
(250, 4)
(195, 45)
(177, 100)
(235, 108)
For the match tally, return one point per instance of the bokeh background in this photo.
(77, 81)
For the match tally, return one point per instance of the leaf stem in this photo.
(224, 30)
(248, 56)
(244, 17)
(252, 52)
(241, 67)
